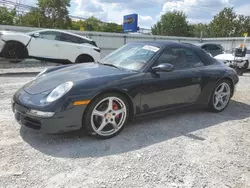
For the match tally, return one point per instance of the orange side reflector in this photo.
(77, 103)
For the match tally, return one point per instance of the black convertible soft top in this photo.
(207, 59)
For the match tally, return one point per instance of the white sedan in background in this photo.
(49, 45)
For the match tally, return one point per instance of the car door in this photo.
(71, 47)
(45, 45)
(169, 89)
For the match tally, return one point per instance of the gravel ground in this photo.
(34, 70)
(186, 149)
(26, 66)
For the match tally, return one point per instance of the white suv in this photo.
(48, 44)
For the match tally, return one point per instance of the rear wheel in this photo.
(15, 51)
(84, 59)
(106, 115)
(221, 96)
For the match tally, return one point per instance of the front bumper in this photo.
(64, 121)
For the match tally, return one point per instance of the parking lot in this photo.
(185, 149)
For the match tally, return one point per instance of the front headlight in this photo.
(59, 91)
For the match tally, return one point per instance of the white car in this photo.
(48, 44)
(229, 59)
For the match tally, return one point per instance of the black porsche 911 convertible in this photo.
(137, 79)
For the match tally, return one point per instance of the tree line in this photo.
(224, 24)
(55, 14)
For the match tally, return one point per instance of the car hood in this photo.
(3, 32)
(91, 73)
(229, 57)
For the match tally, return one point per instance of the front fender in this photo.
(118, 90)
(91, 94)
(51, 69)
(22, 38)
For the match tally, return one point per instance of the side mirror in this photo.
(165, 67)
(36, 35)
(239, 52)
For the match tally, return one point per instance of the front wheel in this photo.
(221, 96)
(106, 115)
(15, 51)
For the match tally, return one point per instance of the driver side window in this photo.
(180, 58)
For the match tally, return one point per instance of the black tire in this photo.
(87, 126)
(211, 105)
(15, 51)
(84, 59)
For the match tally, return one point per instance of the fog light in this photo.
(41, 113)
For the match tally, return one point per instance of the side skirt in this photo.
(61, 61)
(172, 110)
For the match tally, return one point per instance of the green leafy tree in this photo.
(200, 29)
(242, 25)
(224, 24)
(112, 27)
(7, 17)
(92, 24)
(228, 24)
(34, 18)
(172, 24)
(54, 13)
(76, 25)
(48, 14)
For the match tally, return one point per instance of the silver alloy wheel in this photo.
(221, 96)
(108, 121)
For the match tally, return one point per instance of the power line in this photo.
(26, 8)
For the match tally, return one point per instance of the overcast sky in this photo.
(150, 10)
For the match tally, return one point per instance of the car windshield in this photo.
(131, 56)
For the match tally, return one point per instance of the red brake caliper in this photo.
(116, 107)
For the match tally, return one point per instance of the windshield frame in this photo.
(141, 69)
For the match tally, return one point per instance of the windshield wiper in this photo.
(111, 65)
